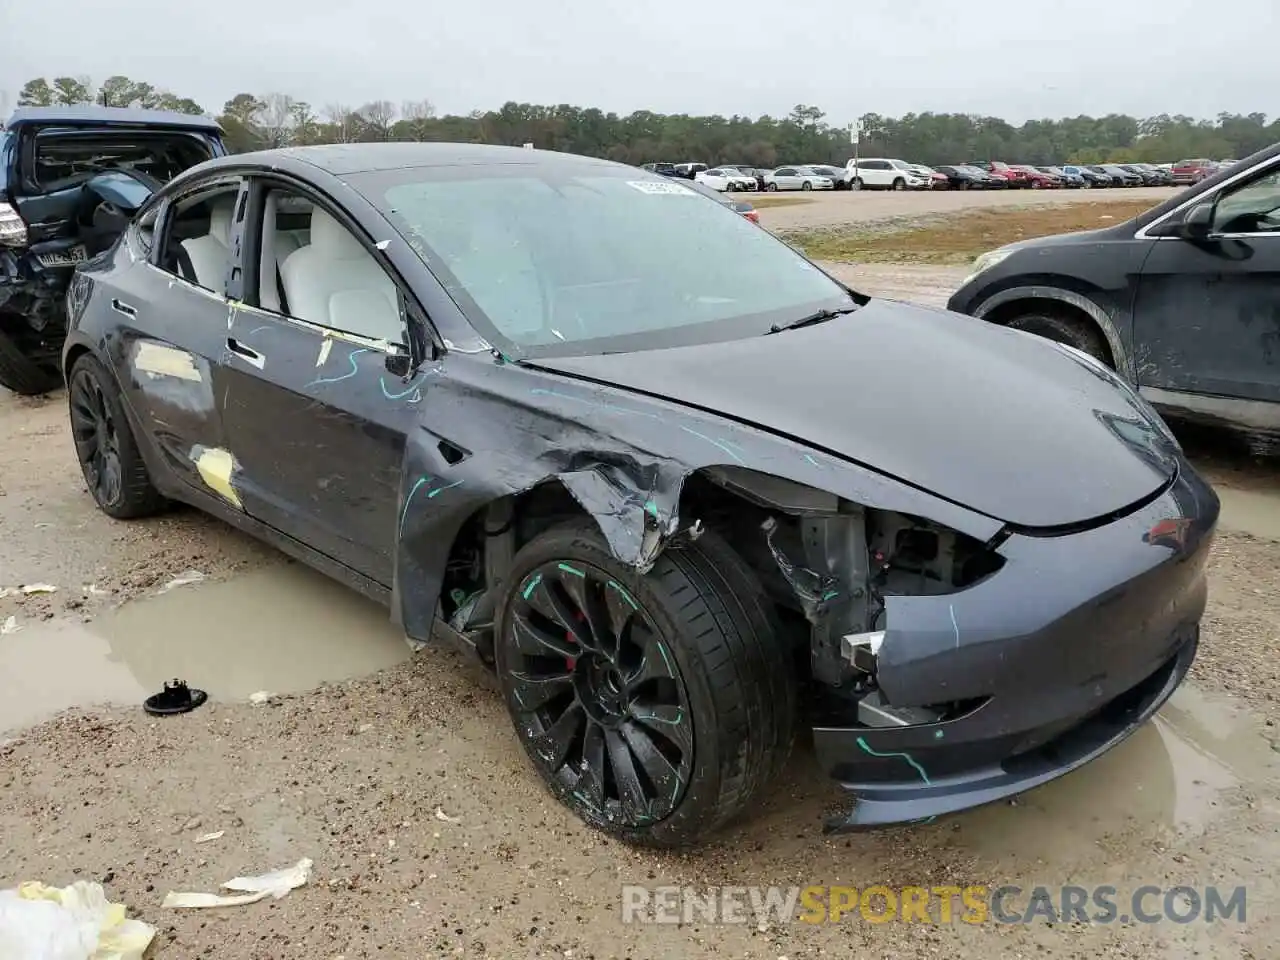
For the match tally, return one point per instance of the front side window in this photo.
(586, 258)
(1252, 208)
(312, 267)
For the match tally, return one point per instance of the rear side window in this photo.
(66, 158)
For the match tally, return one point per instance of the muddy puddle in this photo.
(282, 629)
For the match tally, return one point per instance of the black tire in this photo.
(1073, 331)
(727, 663)
(771, 187)
(899, 184)
(113, 468)
(23, 375)
(856, 184)
(806, 185)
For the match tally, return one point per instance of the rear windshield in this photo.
(569, 258)
(66, 158)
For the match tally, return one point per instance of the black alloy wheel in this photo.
(97, 440)
(598, 696)
(109, 457)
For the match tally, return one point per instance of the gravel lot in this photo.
(864, 206)
(350, 764)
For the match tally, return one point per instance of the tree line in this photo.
(805, 135)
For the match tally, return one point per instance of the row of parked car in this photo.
(879, 173)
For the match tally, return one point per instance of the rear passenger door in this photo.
(169, 323)
(315, 418)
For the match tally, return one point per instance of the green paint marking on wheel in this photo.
(676, 792)
(625, 596)
(938, 735)
(665, 659)
(830, 594)
(532, 585)
(574, 570)
(651, 508)
(655, 719)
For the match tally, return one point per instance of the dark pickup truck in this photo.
(70, 180)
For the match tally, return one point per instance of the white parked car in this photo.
(725, 178)
(875, 173)
(797, 178)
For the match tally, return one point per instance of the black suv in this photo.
(1183, 300)
(70, 179)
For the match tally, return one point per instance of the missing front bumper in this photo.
(920, 796)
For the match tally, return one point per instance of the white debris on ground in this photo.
(30, 588)
(276, 884)
(10, 625)
(191, 576)
(39, 922)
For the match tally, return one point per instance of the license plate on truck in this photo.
(63, 258)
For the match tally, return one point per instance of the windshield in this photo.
(575, 258)
(901, 164)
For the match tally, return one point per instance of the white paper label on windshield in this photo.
(658, 186)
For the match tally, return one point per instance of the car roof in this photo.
(91, 115)
(341, 159)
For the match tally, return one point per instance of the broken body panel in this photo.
(942, 608)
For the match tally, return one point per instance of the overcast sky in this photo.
(1017, 59)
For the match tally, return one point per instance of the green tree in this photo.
(72, 90)
(36, 93)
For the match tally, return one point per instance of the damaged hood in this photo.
(996, 420)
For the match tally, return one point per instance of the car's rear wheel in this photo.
(23, 374)
(656, 706)
(113, 467)
(1073, 331)
(771, 187)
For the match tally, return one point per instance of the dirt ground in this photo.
(957, 238)
(399, 775)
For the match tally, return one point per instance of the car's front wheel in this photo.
(1074, 331)
(806, 185)
(856, 184)
(655, 706)
(899, 184)
(108, 452)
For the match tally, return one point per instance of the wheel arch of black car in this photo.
(992, 303)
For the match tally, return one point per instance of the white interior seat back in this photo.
(277, 245)
(209, 254)
(335, 282)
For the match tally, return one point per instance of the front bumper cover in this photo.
(1075, 643)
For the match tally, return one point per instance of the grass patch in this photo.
(757, 199)
(958, 239)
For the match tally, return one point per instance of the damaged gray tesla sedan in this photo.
(677, 486)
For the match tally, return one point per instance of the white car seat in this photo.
(209, 254)
(335, 282)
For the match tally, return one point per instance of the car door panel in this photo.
(166, 337)
(1208, 318)
(1207, 311)
(317, 427)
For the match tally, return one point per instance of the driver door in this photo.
(316, 418)
(1207, 311)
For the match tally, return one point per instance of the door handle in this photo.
(248, 354)
(119, 306)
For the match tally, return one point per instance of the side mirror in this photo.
(399, 364)
(1197, 223)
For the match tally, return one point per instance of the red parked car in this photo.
(1192, 171)
(1038, 179)
(1016, 177)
